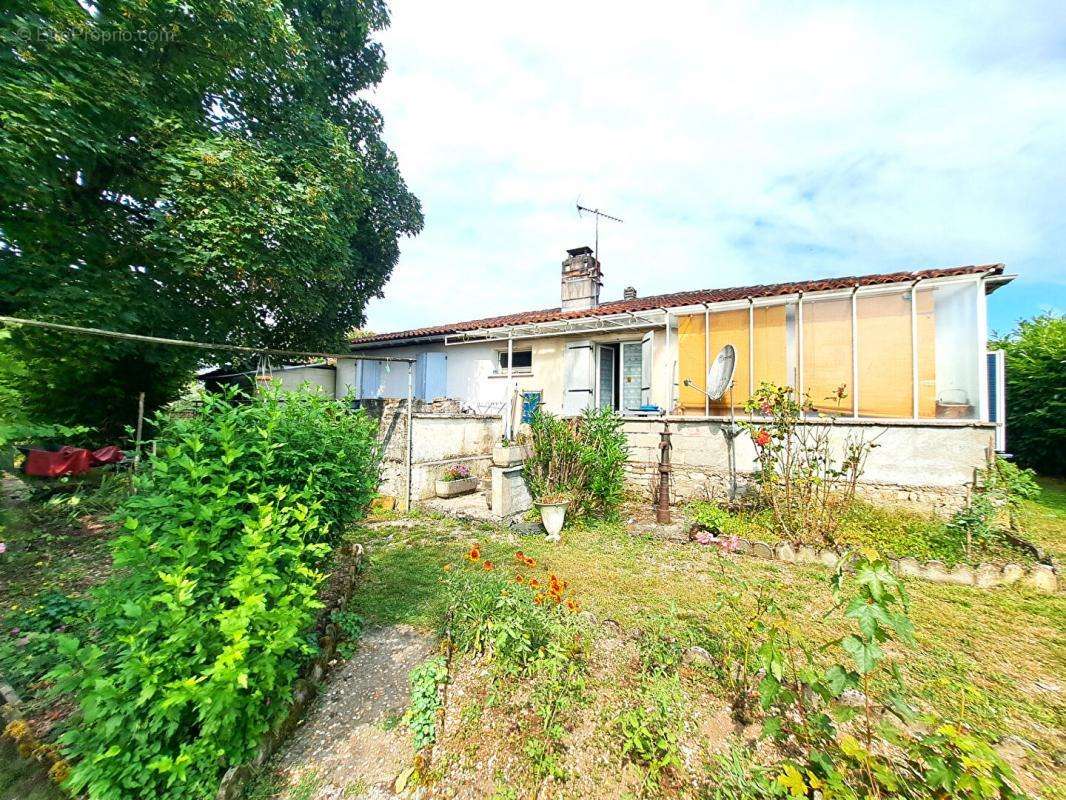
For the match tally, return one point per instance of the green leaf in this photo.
(865, 654)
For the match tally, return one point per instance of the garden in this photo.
(157, 628)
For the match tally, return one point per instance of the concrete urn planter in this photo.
(553, 515)
(507, 455)
(455, 488)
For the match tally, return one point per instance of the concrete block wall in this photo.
(439, 440)
(928, 466)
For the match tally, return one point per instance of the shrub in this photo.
(831, 707)
(1036, 397)
(800, 479)
(582, 458)
(206, 622)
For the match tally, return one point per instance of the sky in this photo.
(740, 143)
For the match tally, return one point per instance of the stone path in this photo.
(350, 744)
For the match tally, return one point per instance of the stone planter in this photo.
(504, 455)
(454, 488)
(553, 515)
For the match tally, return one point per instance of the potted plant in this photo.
(509, 452)
(456, 480)
(553, 513)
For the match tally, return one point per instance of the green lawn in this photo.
(994, 659)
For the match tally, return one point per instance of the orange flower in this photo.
(489, 566)
(447, 568)
(474, 554)
(534, 583)
(538, 599)
(572, 605)
(531, 562)
(519, 578)
(519, 556)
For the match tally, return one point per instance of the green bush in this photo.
(582, 458)
(207, 620)
(1036, 392)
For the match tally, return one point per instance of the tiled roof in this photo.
(677, 299)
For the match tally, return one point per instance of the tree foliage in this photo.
(1036, 392)
(204, 170)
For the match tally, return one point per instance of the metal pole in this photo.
(662, 510)
(410, 428)
(914, 348)
(510, 386)
(854, 353)
(706, 358)
(140, 428)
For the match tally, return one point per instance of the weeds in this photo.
(427, 680)
(649, 730)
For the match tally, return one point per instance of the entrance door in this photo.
(605, 397)
(632, 374)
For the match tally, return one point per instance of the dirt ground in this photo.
(351, 743)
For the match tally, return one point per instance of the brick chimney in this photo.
(629, 293)
(581, 280)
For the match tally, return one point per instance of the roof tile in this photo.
(677, 299)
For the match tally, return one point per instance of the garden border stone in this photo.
(236, 778)
(1041, 577)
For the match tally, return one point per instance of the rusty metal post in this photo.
(662, 510)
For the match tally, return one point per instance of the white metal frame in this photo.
(854, 293)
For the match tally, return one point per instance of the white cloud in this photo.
(740, 142)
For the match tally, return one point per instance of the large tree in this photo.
(207, 169)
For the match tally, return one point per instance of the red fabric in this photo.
(69, 461)
(107, 455)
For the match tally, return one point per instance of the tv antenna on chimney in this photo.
(596, 213)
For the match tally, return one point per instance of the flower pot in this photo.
(454, 488)
(507, 455)
(552, 515)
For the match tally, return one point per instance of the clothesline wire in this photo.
(137, 337)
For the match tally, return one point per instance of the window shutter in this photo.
(577, 377)
(997, 396)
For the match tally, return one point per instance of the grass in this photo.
(994, 659)
(896, 532)
(1044, 519)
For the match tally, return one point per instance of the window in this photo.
(950, 359)
(884, 347)
(827, 355)
(523, 361)
(731, 327)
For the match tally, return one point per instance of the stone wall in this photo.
(928, 466)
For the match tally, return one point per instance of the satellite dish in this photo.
(720, 373)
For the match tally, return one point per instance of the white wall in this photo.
(472, 377)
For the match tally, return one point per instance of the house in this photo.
(905, 346)
(897, 357)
